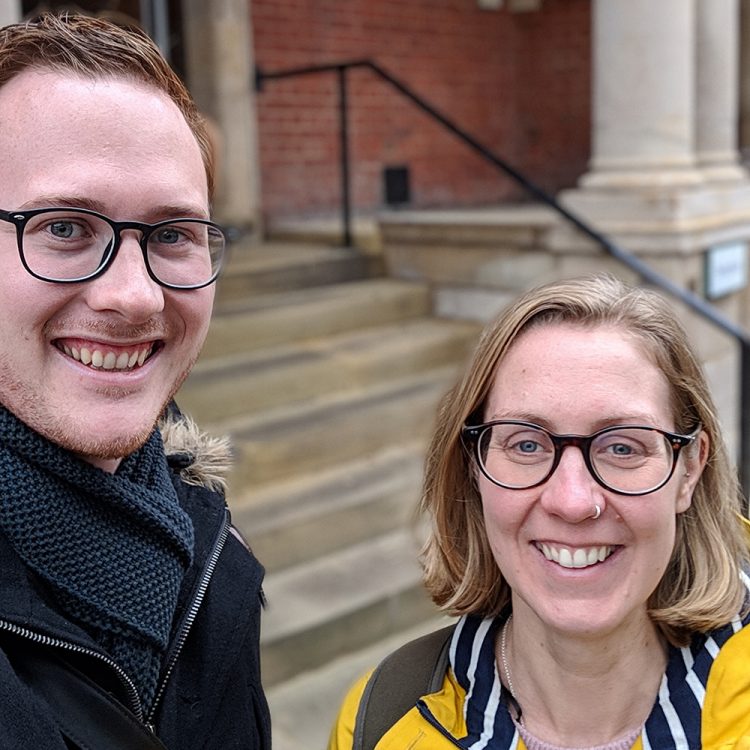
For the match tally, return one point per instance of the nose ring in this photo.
(597, 512)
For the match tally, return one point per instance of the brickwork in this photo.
(518, 82)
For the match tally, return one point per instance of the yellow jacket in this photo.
(704, 702)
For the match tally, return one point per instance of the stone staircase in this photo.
(326, 375)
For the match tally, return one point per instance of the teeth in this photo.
(579, 557)
(107, 360)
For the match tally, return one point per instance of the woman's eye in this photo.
(620, 449)
(629, 450)
(526, 446)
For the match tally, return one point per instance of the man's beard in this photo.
(37, 414)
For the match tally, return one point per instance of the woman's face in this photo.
(572, 379)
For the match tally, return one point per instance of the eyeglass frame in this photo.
(21, 218)
(472, 434)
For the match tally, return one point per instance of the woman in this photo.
(586, 529)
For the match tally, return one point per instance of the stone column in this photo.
(664, 123)
(663, 176)
(220, 65)
(10, 11)
(644, 93)
(717, 79)
(744, 80)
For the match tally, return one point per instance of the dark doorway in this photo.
(162, 19)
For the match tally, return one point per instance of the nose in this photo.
(125, 287)
(571, 493)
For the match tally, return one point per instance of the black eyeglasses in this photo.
(627, 459)
(70, 245)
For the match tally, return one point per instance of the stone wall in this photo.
(517, 81)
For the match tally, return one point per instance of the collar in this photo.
(674, 722)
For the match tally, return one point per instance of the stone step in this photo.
(520, 226)
(279, 266)
(220, 387)
(305, 707)
(327, 382)
(291, 522)
(476, 260)
(323, 432)
(283, 317)
(365, 231)
(340, 603)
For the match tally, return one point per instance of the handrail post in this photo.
(744, 452)
(344, 157)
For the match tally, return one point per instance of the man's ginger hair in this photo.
(96, 48)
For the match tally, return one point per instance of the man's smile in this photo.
(107, 356)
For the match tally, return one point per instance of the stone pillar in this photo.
(220, 65)
(744, 84)
(717, 78)
(664, 129)
(663, 181)
(10, 11)
(644, 93)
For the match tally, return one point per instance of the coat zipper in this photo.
(136, 706)
(187, 624)
(134, 699)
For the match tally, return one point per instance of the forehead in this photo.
(572, 374)
(61, 133)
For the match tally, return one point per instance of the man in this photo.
(120, 578)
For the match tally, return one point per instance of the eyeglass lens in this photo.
(66, 245)
(627, 459)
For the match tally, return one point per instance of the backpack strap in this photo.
(399, 681)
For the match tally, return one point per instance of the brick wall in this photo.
(518, 82)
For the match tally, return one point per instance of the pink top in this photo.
(534, 743)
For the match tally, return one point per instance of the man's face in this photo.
(125, 150)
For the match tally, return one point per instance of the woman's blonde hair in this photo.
(701, 588)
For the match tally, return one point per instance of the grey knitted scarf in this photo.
(113, 548)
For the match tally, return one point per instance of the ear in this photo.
(693, 461)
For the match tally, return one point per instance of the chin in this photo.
(106, 436)
(105, 447)
(588, 623)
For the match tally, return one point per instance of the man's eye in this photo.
(169, 236)
(65, 230)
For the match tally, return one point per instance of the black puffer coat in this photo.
(209, 694)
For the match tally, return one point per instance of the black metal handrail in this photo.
(635, 264)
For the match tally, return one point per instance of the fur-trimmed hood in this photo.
(203, 460)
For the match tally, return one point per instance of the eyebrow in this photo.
(158, 213)
(645, 420)
(62, 201)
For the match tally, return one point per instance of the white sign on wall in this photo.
(725, 269)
